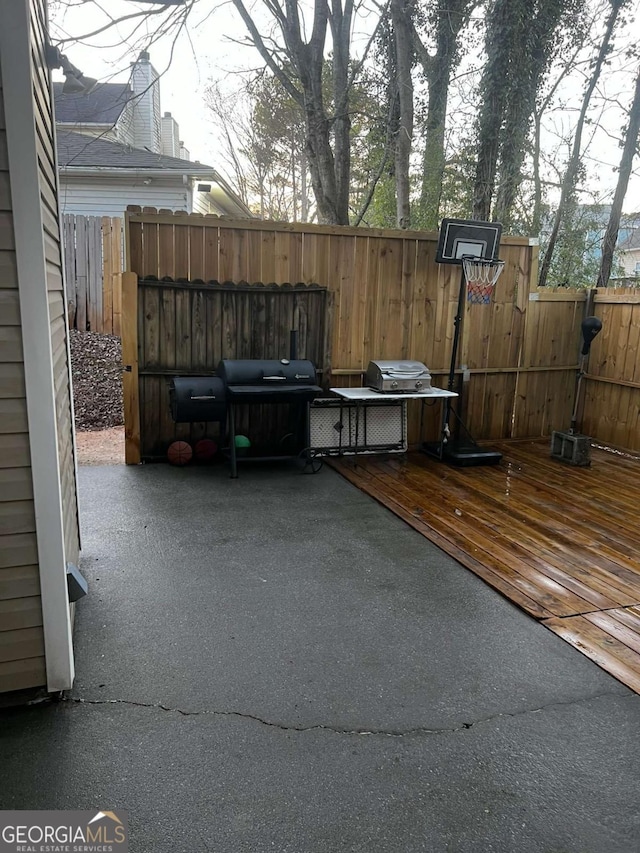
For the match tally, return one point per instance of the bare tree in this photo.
(302, 78)
(263, 134)
(629, 151)
(573, 166)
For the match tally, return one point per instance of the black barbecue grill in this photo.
(257, 381)
(197, 398)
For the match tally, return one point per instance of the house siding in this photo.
(201, 201)
(22, 662)
(144, 82)
(124, 128)
(630, 260)
(47, 173)
(170, 136)
(111, 197)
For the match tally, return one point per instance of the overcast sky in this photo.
(187, 62)
(210, 50)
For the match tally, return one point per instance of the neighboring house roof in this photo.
(79, 151)
(80, 154)
(103, 106)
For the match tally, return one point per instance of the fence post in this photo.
(130, 368)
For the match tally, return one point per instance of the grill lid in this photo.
(267, 372)
(401, 369)
(197, 398)
(269, 381)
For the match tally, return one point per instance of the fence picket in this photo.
(81, 273)
(94, 263)
(117, 267)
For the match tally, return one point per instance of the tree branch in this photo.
(264, 53)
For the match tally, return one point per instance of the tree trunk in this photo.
(536, 216)
(488, 147)
(434, 155)
(573, 166)
(493, 103)
(321, 166)
(340, 22)
(537, 38)
(626, 163)
(437, 68)
(329, 174)
(304, 206)
(404, 62)
(319, 151)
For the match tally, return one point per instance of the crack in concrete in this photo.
(361, 732)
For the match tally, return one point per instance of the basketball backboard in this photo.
(460, 237)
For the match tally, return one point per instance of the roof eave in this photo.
(70, 126)
(135, 171)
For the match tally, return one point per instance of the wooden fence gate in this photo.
(94, 261)
(186, 328)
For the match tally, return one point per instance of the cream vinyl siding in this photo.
(110, 196)
(201, 200)
(43, 106)
(124, 130)
(630, 260)
(22, 662)
(147, 129)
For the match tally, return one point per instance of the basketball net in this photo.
(481, 276)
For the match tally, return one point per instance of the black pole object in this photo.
(590, 328)
(576, 402)
(446, 408)
(456, 333)
(293, 344)
(457, 327)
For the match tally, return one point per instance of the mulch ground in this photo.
(96, 362)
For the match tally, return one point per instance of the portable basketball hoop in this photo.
(481, 276)
(473, 246)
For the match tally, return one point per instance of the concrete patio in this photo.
(279, 664)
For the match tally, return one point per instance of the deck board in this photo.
(560, 542)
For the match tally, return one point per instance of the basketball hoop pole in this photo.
(457, 324)
(457, 328)
(473, 245)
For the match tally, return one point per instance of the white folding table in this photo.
(369, 421)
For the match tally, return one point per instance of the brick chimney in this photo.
(146, 106)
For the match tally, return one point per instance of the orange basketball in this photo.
(205, 450)
(179, 453)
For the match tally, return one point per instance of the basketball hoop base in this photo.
(463, 454)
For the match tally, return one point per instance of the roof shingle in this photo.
(102, 106)
(79, 150)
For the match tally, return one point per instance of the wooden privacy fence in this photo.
(612, 393)
(186, 328)
(518, 355)
(93, 257)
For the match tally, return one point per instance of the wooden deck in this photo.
(561, 542)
